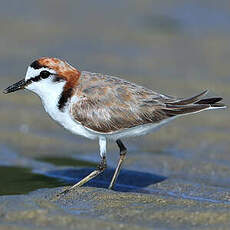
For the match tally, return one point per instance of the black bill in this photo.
(17, 86)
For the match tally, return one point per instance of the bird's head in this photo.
(46, 73)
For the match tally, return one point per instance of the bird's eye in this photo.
(44, 74)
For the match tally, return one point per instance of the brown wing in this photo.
(109, 104)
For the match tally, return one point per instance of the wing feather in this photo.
(107, 104)
(110, 104)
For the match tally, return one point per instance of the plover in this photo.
(104, 107)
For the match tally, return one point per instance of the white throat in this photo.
(49, 92)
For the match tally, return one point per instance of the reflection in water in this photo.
(16, 180)
(128, 181)
(60, 161)
(22, 180)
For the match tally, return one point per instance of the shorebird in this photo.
(104, 107)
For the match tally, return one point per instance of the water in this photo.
(18, 180)
(179, 49)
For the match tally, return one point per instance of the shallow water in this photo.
(18, 180)
(178, 176)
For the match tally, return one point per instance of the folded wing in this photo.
(111, 104)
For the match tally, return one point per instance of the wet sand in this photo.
(177, 178)
(97, 208)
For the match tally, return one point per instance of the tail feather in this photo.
(190, 100)
(192, 105)
(184, 109)
(218, 105)
(209, 100)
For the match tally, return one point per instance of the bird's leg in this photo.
(123, 152)
(100, 168)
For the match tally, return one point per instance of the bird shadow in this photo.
(127, 181)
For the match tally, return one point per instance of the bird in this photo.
(103, 107)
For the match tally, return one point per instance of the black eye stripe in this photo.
(43, 75)
(35, 79)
